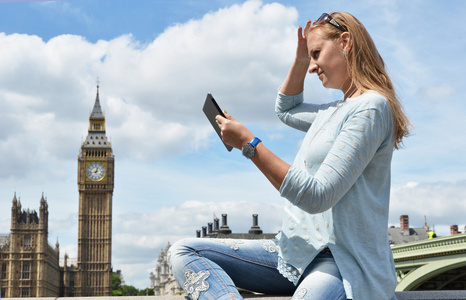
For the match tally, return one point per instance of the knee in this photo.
(180, 249)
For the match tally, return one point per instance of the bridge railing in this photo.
(449, 245)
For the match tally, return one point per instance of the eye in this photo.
(315, 54)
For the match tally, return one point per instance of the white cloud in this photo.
(440, 202)
(152, 93)
(439, 91)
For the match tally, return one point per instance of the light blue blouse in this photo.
(338, 190)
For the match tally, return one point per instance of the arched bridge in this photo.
(435, 264)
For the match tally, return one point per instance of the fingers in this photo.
(308, 26)
(219, 119)
(223, 120)
(228, 116)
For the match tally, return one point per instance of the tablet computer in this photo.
(211, 110)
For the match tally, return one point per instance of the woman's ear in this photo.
(346, 42)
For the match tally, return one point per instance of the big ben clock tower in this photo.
(95, 185)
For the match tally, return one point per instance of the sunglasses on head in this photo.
(325, 17)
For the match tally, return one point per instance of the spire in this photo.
(97, 113)
(96, 137)
(43, 203)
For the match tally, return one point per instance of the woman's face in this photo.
(328, 61)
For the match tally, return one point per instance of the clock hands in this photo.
(95, 171)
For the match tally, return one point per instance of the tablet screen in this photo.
(211, 110)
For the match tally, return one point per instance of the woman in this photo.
(333, 243)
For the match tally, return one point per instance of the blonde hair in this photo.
(366, 67)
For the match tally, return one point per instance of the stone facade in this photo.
(28, 264)
(96, 167)
(30, 267)
(163, 282)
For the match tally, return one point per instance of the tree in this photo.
(116, 285)
(146, 292)
(129, 290)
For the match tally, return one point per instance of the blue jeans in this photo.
(214, 268)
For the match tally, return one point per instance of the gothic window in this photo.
(27, 241)
(26, 270)
(3, 271)
(25, 292)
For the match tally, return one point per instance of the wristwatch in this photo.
(250, 148)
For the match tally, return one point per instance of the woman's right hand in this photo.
(302, 53)
(294, 81)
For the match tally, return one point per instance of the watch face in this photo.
(248, 150)
(95, 171)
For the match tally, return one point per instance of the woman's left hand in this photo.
(234, 133)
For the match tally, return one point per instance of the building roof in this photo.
(97, 113)
(97, 138)
(396, 236)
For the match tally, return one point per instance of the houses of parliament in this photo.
(29, 265)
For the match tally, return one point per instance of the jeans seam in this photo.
(235, 256)
(215, 273)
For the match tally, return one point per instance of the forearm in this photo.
(274, 168)
(237, 135)
(294, 81)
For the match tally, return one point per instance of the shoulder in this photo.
(371, 100)
(368, 102)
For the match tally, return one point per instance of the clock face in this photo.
(95, 171)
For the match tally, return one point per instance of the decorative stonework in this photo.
(96, 165)
(442, 246)
(26, 256)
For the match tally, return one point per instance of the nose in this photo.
(313, 67)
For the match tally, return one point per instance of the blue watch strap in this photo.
(255, 141)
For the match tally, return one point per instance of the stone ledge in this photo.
(416, 295)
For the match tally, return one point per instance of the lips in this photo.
(320, 74)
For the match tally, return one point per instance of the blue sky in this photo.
(156, 61)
